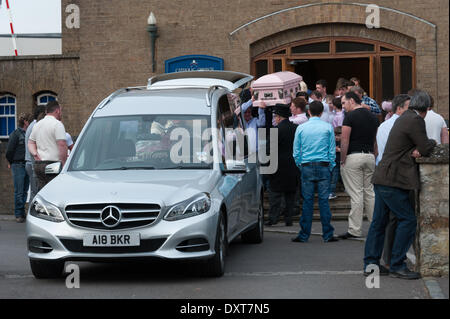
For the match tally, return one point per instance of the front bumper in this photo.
(64, 241)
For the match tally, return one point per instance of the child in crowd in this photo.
(332, 112)
(335, 173)
(339, 114)
(329, 98)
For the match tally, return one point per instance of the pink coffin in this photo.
(276, 88)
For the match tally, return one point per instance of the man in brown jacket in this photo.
(394, 177)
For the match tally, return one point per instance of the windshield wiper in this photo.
(124, 168)
(188, 167)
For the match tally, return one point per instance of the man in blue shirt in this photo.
(314, 154)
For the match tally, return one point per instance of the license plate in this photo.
(111, 240)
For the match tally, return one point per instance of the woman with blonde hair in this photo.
(303, 86)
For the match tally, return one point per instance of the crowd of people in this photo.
(346, 136)
(322, 139)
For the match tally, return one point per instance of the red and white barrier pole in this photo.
(13, 36)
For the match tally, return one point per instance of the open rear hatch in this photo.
(202, 79)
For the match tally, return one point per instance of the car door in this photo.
(231, 184)
(248, 181)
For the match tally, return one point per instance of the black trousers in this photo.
(41, 178)
(297, 200)
(275, 200)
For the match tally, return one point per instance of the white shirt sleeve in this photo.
(69, 140)
(60, 132)
(33, 134)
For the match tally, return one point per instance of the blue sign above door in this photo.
(193, 63)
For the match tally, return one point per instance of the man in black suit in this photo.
(284, 182)
(393, 179)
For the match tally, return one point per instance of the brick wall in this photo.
(25, 77)
(111, 49)
(115, 47)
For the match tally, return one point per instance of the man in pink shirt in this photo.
(298, 109)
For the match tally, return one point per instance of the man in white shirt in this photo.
(39, 114)
(317, 96)
(399, 105)
(321, 86)
(47, 143)
(69, 142)
(436, 127)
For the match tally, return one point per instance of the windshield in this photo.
(144, 142)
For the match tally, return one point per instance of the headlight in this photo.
(42, 209)
(191, 207)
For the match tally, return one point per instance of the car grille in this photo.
(146, 246)
(133, 215)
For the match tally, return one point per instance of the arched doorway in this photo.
(385, 70)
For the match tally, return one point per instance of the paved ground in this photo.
(443, 283)
(275, 269)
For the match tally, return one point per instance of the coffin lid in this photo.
(278, 79)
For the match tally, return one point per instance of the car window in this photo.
(231, 133)
(238, 126)
(143, 142)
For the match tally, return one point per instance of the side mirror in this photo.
(53, 169)
(234, 167)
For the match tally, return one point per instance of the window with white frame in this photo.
(44, 98)
(7, 115)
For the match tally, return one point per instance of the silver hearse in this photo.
(149, 177)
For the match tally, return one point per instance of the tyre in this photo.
(256, 234)
(215, 266)
(43, 269)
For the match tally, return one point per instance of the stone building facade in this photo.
(111, 49)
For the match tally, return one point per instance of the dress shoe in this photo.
(288, 223)
(332, 239)
(298, 240)
(404, 274)
(269, 223)
(383, 271)
(347, 235)
(20, 220)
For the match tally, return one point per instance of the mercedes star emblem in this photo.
(111, 216)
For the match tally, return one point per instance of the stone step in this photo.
(340, 207)
(340, 194)
(336, 214)
(316, 216)
(334, 207)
